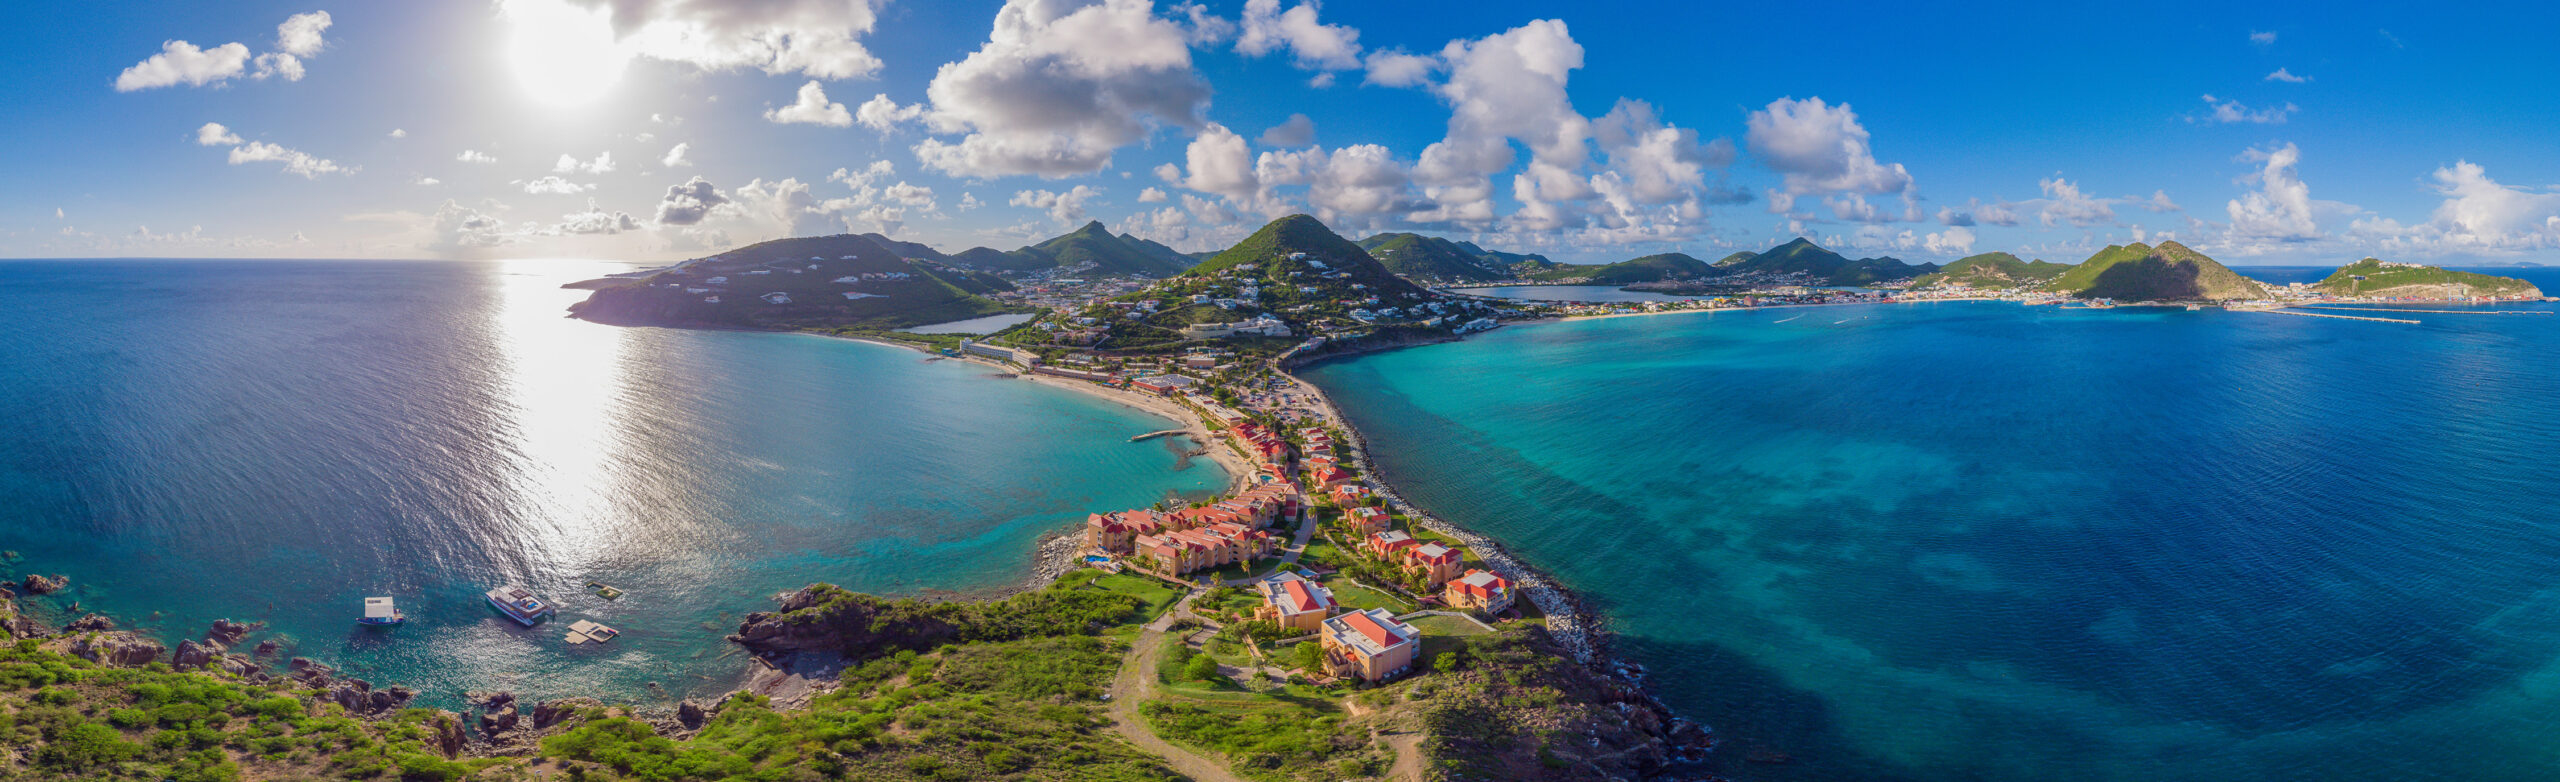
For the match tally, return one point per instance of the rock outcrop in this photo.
(92, 623)
(691, 714)
(193, 655)
(41, 585)
(227, 632)
(117, 649)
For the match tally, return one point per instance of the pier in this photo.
(2326, 315)
(1154, 435)
(2432, 312)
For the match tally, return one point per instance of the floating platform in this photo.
(604, 590)
(584, 632)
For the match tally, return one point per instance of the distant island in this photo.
(2373, 278)
(2174, 273)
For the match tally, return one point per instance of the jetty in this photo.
(1154, 435)
(583, 632)
(2326, 315)
(2431, 312)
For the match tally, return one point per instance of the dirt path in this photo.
(1137, 682)
(1408, 747)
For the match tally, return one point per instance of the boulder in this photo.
(192, 655)
(498, 720)
(444, 730)
(93, 623)
(691, 714)
(267, 648)
(226, 632)
(118, 649)
(549, 713)
(238, 665)
(40, 585)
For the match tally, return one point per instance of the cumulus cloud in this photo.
(1956, 240)
(457, 229)
(2280, 209)
(1067, 208)
(2159, 202)
(676, 156)
(1398, 68)
(2233, 111)
(475, 156)
(1316, 45)
(568, 164)
(398, 133)
(818, 38)
(1152, 195)
(180, 62)
(213, 134)
(1059, 86)
(2262, 38)
(1220, 162)
(1297, 131)
(2478, 214)
(552, 185)
(880, 113)
(425, 181)
(1659, 162)
(596, 221)
(2285, 75)
(1505, 87)
(688, 203)
(1821, 149)
(2064, 203)
(812, 108)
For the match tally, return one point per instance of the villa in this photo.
(1387, 544)
(1365, 520)
(1118, 532)
(1295, 602)
(1370, 645)
(1352, 495)
(1478, 591)
(1438, 563)
(1183, 551)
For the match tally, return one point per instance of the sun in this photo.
(563, 56)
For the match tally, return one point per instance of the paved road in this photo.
(1137, 682)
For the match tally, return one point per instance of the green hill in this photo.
(1804, 258)
(1433, 258)
(815, 273)
(2381, 279)
(1330, 262)
(1108, 255)
(1992, 270)
(913, 251)
(1735, 258)
(1651, 268)
(1177, 258)
(2168, 272)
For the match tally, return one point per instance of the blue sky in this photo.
(1591, 132)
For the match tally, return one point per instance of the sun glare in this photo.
(563, 56)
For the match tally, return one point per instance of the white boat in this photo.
(379, 611)
(519, 604)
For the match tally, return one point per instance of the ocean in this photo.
(1983, 541)
(272, 441)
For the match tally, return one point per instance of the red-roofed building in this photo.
(1438, 563)
(1118, 532)
(1351, 495)
(1370, 645)
(1365, 520)
(1387, 544)
(1294, 602)
(1479, 591)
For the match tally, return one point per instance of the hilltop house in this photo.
(1294, 602)
(1370, 645)
(1478, 591)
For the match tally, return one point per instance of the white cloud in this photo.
(2231, 111)
(2280, 209)
(1956, 240)
(2159, 202)
(278, 64)
(425, 181)
(689, 203)
(1397, 68)
(880, 113)
(300, 34)
(2262, 38)
(1221, 163)
(213, 134)
(552, 185)
(1297, 131)
(2286, 75)
(1059, 86)
(1504, 87)
(1152, 195)
(676, 156)
(180, 62)
(1659, 162)
(398, 133)
(1359, 185)
(2478, 215)
(1317, 46)
(1067, 207)
(458, 229)
(818, 38)
(1823, 150)
(475, 156)
(568, 164)
(2064, 203)
(596, 221)
(295, 162)
(812, 108)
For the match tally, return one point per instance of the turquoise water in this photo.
(1980, 541)
(981, 325)
(274, 440)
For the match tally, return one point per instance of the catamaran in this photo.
(519, 604)
(380, 611)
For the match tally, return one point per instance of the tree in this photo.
(1202, 668)
(1309, 656)
(1446, 662)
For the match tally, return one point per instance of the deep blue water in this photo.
(1981, 541)
(273, 440)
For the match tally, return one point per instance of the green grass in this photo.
(1159, 596)
(1360, 598)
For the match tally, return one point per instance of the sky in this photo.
(2262, 134)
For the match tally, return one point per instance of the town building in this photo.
(1479, 591)
(1294, 602)
(1390, 544)
(1369, 645)
(1438, 563)
(1365, 520)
